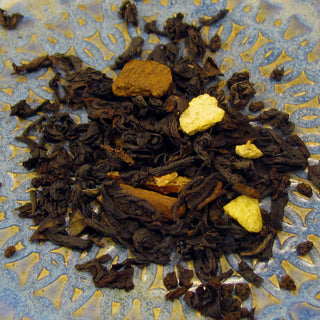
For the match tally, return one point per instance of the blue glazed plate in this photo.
(40, 282)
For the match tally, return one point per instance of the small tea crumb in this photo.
(304, 189)
(314, 174)
(248, 151)
(235, 315)
(227, 289)
(304, 247)
(277, 74)
(185, 276)
(256, 106)
(287, 283)
(170, 281)
(10, 251)
(242, 291)
(215, 43)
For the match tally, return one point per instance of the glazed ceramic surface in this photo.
(40, 282)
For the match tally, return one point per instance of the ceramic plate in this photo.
(40, 281)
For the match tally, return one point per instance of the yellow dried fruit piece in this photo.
(246, 211)
(248, 151)
(202, 113)
(165, 179)
(166, 184)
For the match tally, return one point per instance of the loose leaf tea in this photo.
(303, 248)
(151, 27)
(215, 43)
(242, 290)
(9, 21)
(209, 21)
(170, 281)
(277, 74)
(129, 13)
(130, 173)
(134, 49)
(118, 276)
(314, 174)
(10, 251)
(287, 283)
(304, 189)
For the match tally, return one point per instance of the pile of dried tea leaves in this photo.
(112, 176)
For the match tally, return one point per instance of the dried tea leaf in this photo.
(10, 251)
(303, 248)
(129, 13)
(304, 189)
(314, 174)
(170, 281)
(209, 21)
(134, 49)
(277, 74)
(247, 272)
(287, 283)
(9, 21)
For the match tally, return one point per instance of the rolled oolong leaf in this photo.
(206, 299)
(241, 93)
(195, 43)
(238, 77)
